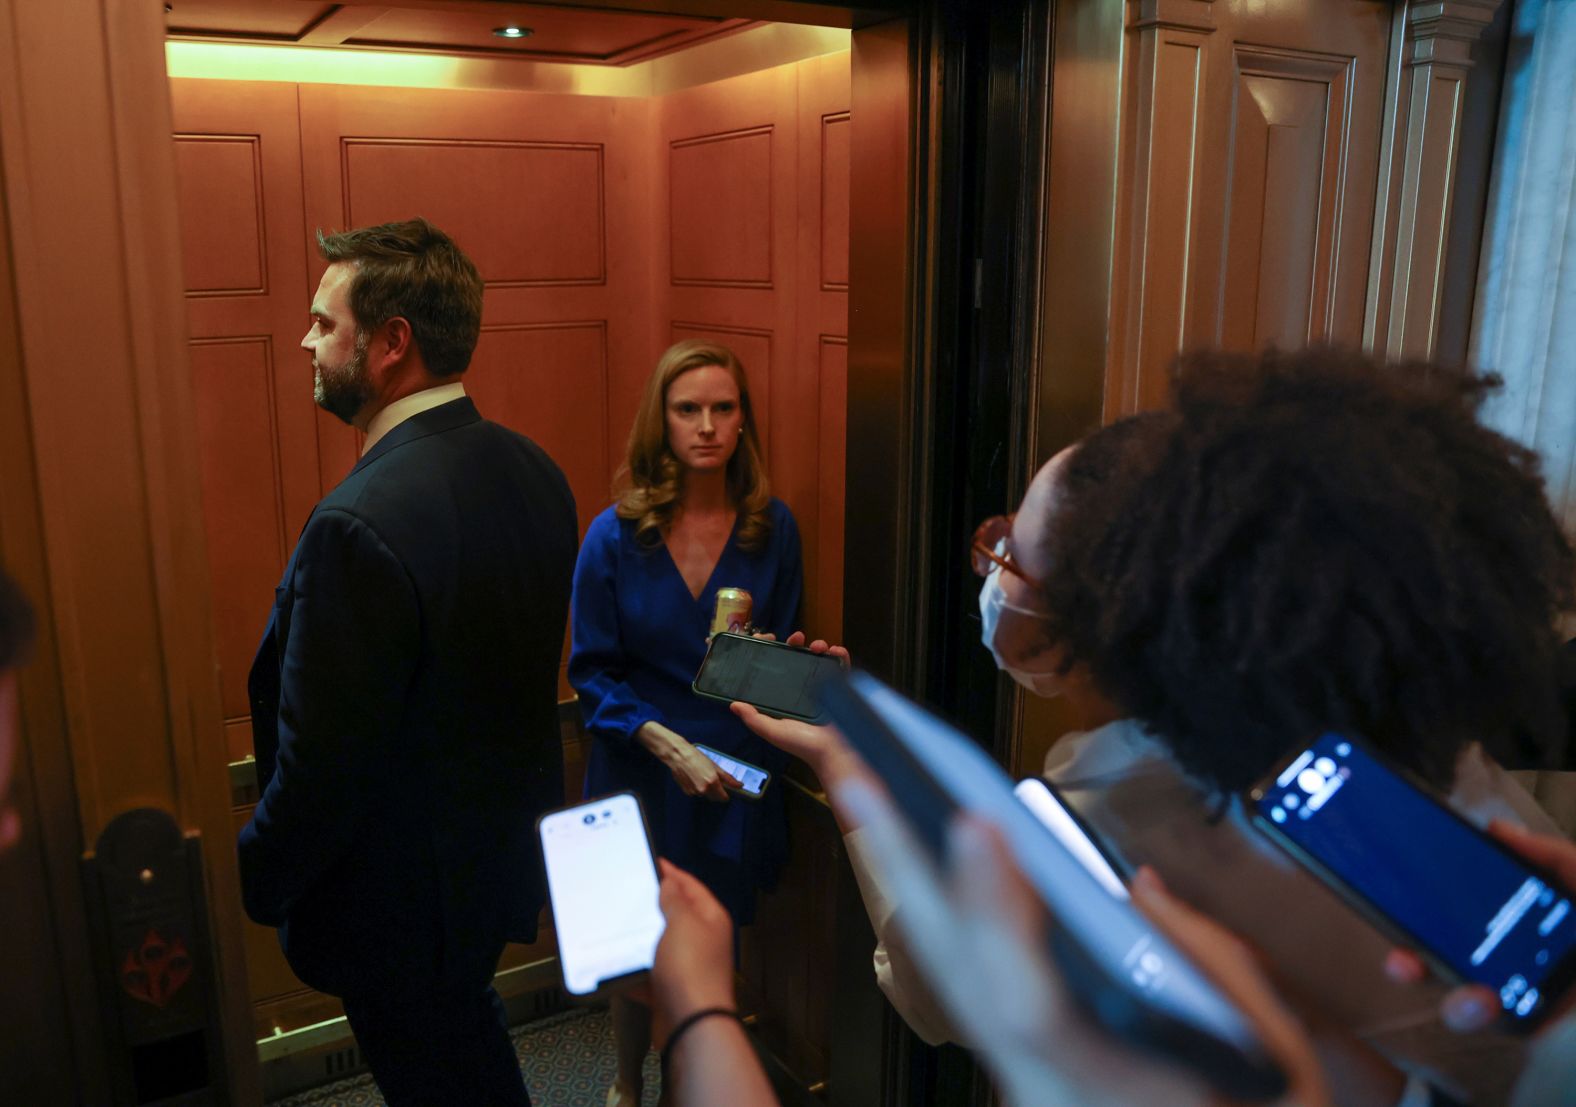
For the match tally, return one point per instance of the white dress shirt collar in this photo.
(407, 406)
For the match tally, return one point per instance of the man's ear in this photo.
(397, 339)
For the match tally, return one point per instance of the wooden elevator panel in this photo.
(1249, 175)
(604, 229)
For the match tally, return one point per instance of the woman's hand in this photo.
(713, 1061)
(820, 747)
(796, 639)
(693, 969)
(823, 748)
(820, 645)
(694, 772)
(1474, 1007)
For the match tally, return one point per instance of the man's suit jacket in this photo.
(404, 710)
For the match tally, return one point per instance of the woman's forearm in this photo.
(663, 743)
(714, 1063)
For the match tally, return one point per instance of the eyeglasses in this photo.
(993, 532)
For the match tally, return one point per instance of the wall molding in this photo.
(348, 143)
(1417, 173)
(1181, 15)
(1444, 31)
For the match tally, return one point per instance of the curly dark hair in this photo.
(1309, 542)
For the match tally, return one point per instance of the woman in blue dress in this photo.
(693, 515)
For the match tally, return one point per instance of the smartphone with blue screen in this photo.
(1422, 874)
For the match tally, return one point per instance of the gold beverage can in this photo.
(733, 610)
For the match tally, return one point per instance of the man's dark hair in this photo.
(1310, 542)
(415, 271)
(16, 624)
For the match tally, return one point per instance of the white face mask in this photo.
(993, 600)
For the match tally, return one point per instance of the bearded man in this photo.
(404, 698)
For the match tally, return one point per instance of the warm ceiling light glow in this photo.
(513, 32)
(318, 65)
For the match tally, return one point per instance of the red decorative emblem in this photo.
(156, 970)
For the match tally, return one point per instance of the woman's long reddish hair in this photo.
(650, 486)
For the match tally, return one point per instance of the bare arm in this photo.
(712, 1062)
(696, 773)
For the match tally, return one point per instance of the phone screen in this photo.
(1047, 806)
(603, 886)
(1450, 888)
(752, 779)
(778, 679)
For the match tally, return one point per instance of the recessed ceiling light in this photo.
(513, 31)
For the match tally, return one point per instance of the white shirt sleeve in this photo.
(1484, 791)
(896, 974)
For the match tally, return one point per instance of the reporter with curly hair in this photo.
(1298, 543)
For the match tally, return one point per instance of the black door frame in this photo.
(944, 333)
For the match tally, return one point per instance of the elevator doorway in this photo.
(622, 180)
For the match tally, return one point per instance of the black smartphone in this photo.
(1423, 874)
(602, 884)
(1126, 975)
(752, 778)
(780, 680)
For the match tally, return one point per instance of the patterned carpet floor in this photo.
(567, 1060)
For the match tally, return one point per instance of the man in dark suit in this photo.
(404, 696)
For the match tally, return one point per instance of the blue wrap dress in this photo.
(638, 637)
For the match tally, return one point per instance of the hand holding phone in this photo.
(777, 678)
(693, 969)
(1473, 1007)
(1475, 911)
(602, 885)
(749, 780)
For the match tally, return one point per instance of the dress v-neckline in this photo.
(705, 587)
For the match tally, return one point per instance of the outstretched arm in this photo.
(712, 1061)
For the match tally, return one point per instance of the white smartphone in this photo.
(752, 778)
(602, 883)
(1048, 807)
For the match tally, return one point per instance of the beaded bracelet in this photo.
(684, 1025)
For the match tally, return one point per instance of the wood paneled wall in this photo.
(99, 520)
(1240, 174)
(1284, 177)
(1245, 214)
(755, 199)
(604, 229)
